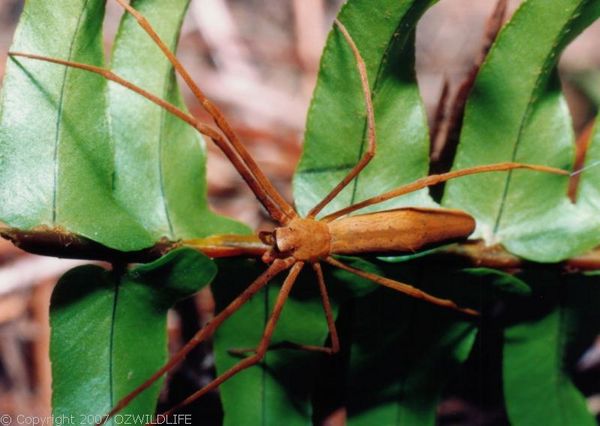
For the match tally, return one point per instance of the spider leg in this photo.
(262, 347)
(371, 137)
(208, 330)
(275, 211)
(401, 287)
(436, 179)
(215, 113)
(335, 341)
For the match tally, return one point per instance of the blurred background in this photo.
(258, 60)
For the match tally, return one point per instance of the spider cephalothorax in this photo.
(306, 240)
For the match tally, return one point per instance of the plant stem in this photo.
(59, 243)
(56, 242)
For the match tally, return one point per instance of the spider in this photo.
(307, 241)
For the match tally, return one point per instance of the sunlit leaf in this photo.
(336, 127)
(56, 154)
(517, 112)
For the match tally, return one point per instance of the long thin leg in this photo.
(371, 137)
(276, 212)
(335, 341)
(401, 287)
(208, 330)
(262, 347)
(436, 179)
(214, 111)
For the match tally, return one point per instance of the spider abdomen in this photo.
(398, 231)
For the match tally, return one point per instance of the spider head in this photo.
(303, 239)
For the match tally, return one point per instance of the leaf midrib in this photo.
(374, 93)
(160, 164)
(170, 85)
(550, 59)
(379, 77)
(111, 343)
(61, 102)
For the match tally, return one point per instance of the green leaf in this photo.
(542, 341)
(335, 130)
(383, 339)
(490, 279)
(402, 355)
(55, 150)
(285, 379)
(109, 331)
(516, 112)
(59, 164)
(159, 160)
(281, 385)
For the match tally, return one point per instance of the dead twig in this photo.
(447, 137)
(582, 146)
